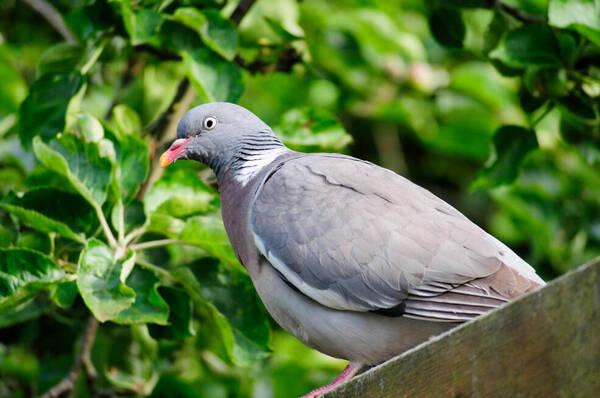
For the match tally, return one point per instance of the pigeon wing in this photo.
(355, 236)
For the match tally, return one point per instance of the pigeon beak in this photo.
(174, 152)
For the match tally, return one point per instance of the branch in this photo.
(105, 227)
(53, 17)
(240, 11)
(153, 243)
(82, 359)
(286, 59)
(516, 12)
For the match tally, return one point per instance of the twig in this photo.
(105, 227)
(53, 17)
(164, 55)
(82, 359)
(516, 13)
(285, 61)
(133, 234)
(153, 243)
(155, 268)
(545, 113)
(240, 11)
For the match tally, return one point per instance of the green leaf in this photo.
(214, 79)
(8, 234)
(42, 223)
(582, 16)
(101, 281)
(235, 308)
(133, 216)
(511, 144)
(312, 130)
(34, 240)
(80, 162)
(496, 29)
(142, 25)
(218, 33)
(179, 193)
(528, 45)
(285, 34)
(180, 324)
(89, 128)
(447, 26)
(67, 207)
(64, 294)
(546, 82)
(66, 57)
(580, 119)
(132, 161)
(13, 91)
(166, 225)
(149, 306)
(23, 273)
(466, 3)
(24, 312)
(43, 111)
(208, 233)
(126, 120)
(60, 58)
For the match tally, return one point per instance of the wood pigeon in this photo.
(353, 259)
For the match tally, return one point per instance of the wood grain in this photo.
(545, 344)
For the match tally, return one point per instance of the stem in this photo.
(545, 113)
(241, 10)
(516, 13)
(154, 268)
(53, 17)
(132, 235)
(121, 221)
(153, 243)
(107, 232)
(82, 359)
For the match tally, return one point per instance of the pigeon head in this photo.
(216, 134)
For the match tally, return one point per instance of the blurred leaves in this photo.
(582, 16)
(447, 26)
(528, 45)
(311, 130)
(500, 98)
(218, 33)
(511, 145)
(213, 78)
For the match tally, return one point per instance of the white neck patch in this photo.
(255, 163)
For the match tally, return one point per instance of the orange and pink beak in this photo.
(174, 152)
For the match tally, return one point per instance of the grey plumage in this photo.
(353, 259)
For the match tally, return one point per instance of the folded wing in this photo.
(354, 236)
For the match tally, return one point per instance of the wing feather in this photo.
(354, 236)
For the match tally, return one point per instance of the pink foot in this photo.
(347, 373)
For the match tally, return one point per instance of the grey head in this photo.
(224, 136)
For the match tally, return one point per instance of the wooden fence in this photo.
(546, 344)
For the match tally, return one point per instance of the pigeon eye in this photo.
(209, 123)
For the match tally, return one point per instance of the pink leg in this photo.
(347, 373)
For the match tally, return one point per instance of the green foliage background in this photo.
(492, 105)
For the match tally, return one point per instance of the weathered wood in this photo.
(546, 344)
